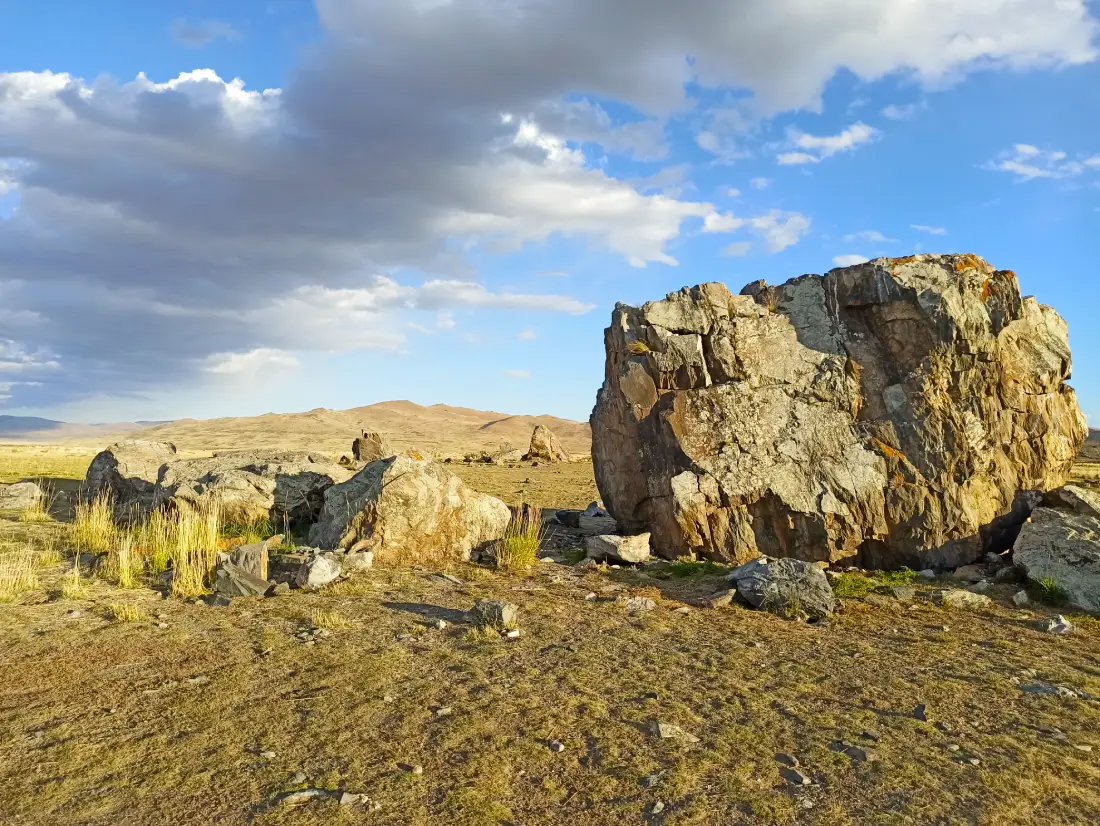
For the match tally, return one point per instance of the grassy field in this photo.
(121, 707)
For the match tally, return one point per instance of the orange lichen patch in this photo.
(898, 479)
(968, 261)
(886, 450)
(987, 290)
(908, 259)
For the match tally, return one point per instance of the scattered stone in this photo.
(358, 561)
(74, 613)
(637, 605)
(956, 598)
(720, 599)
(350, 799)
(873, 736)
(970, 573)
(1059, 625)
(235, 581)
(722, 413)
(1054, 691)
(788, 760)
(557, 746)
(973, 761)
(979, 587)
(451, 578)
(512, 634)
(491, 613)
(304, 796)
(953, 747)
(297, 779)
(445, 711)
(631, 550)
(595, 509)
(278, 589)
(668, 731)
(781, 585)
(388, 698)
(440, 624)
(927, 573)
(1008, 574)
(318, 570)
(268, 755)
(416, 770)
(901, 593)
(219, 600)
(652, 781)
(1083, 747)
(657, 808)
(794, 776)
(590, 596)
(1020, 599)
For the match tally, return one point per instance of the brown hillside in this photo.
(438, 429)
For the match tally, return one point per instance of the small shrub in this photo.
(125, 612)
(637, 347)
(18, 574)
(330, 620)
(93, 527)
(853, 586)
(519, 548)
(122, 564)
(1045, 589)
(248, 532)
(900, 577)
(685, 566)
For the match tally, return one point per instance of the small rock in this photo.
(927, 573)
(970, 573)
(304, 796)
(873, 736)
(668, 731)
(445, 711)
(979, 587)
(1058, 626)
(794, 776)
(591, 595)
(621, 549)
(388, 698)
(954, 598)
(900, 592)
(921, 712)
(1020, 599)
(358, 561)
(657, 808)
(268, 755)
(721, 599)
(440, 624)
(162, 625)
(973, 761)
(1083, 747)
(788, 760)
(513, 634)
(1007, 574)
(952, 746)
(651, 781)
(73, 614)
(297, 779)
(683, 609)
(451, 578)
(416, 770)
(557, 746)
(219, 600)
(278, 589)
(491, 613)
(317, 571)
(860, 755)
(636, 605)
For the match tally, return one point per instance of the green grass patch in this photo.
(685, 567)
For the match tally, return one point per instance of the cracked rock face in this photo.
(898, 412)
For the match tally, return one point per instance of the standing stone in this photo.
(545, 447)
(408, 511)
(370, 447)
(888, 413)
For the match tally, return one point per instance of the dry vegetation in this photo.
(122, 707)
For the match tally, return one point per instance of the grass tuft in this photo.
(330, 620)
(122, 564)
(18, 574)
(1046, 590)
(125, 612)
(256, 530)
(519, 548)
(195, 550)
(39, 511)
(93, 528)
(685, 566)
(155, 540)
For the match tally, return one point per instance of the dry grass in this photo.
(40, 510)
(195, 550)
(329, 620)
(126, 612)
(18, 574)
(93, 527)
(518, 549)
(155, 540)
(122, 564)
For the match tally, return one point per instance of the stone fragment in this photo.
(957, 598)
(899, 411)
(491, 613)
(20, 496)
(669, 731)
(318, 570)
(235, 581)
(1059, 625)
(1020, 599)
(794, 776)
(545, 446)
(371, 446)
(632, 550)
(784, 586)
(1060, 546)
(637, 605)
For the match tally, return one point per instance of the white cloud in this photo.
(1028, 162)
(814, 148)
(252, 362)
(722, 222)
(871, 236)
(902, 111)
(928, 229)
(527, 335)
(760, 183)
(736, 249)
(850, 260)
(518, 374)
(732, 192)
(781, 229)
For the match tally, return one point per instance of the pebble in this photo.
(953, 747)
(651, 781)
(1020, 599)
(973, 761)
(1061, 625)
(657, 808)
(162, 625)
(445, 711)
(787, 760)
(683, 609)
(668, 731)
(416, 770)
(388, 698)
(440, 624)
(1082, 747)
(557, 746)
(512, 634)
(74, 613)
(873, 736)
(297, 778)
(268, 755)
(591, 595)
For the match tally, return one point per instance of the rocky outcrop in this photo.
(545, 447)
(127, 472)
(407, 510)
(370, 447)
(1060, 543)
(888, 413)
(286, 487)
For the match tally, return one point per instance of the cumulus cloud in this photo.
(195, 35)
(252, 362)
(760, 183)
(814, 149)
(927, 229)
(902, 111)
(871, 236)
(850, 260)
(163, 223)
(1028, 162)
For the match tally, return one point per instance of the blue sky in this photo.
(442, 201)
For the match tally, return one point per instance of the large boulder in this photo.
(286, 487)
(370, 447)
(407, 510)
(787, 587)
(545, 447)
(127, 473)
(1061, 544)
(889, 413)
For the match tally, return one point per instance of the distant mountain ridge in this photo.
(37, 429)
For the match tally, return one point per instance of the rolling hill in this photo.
(34, 429)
